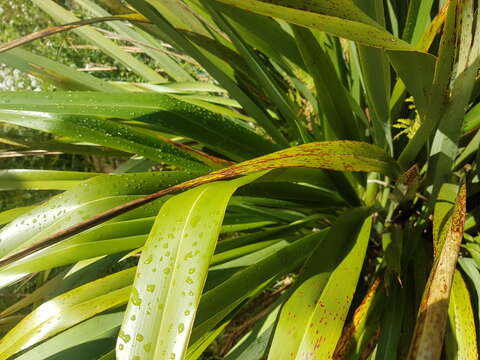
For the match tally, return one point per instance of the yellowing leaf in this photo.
(427, 342)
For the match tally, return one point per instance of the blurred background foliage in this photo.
(20, 18)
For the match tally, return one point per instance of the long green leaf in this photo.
(88, 339)
(54, 72)
(60, 14)
(471, 270)
(67, 310)
(102, 132)
(26, 227)
(312, 319)
(331, 94)
(438, 93)
(66, 27)
(41, 179)
(246, 277)
(272, 89)
(391, 324)
(335, 155)
(418, 18)
(272, 33)
(172, 271)
(9, 215)
(209, 63)
(169, 114)
(149, 45)
(444, 146)
(375, 75)
(462, 334)
(345, 21)
(330, 155)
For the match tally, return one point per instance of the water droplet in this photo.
(136, 297)
(125, 337)
(181, 327)
(149, 259)
(194, 221)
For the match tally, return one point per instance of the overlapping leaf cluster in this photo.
(287, 178)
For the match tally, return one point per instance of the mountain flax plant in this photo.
(319, 193)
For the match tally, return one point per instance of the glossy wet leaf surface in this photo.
(172, 271)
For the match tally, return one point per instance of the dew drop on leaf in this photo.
(136, 297)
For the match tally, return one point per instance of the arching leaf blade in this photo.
(67, 310)
(172, 272)
(27, 179)
(359, 27)
(62, 76)
(312, 319)
(29, 225)
(102, 131)
(169, 113)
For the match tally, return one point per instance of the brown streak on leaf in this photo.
(427, 341)
(346, 340)
(244, 168)
(61, 28)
